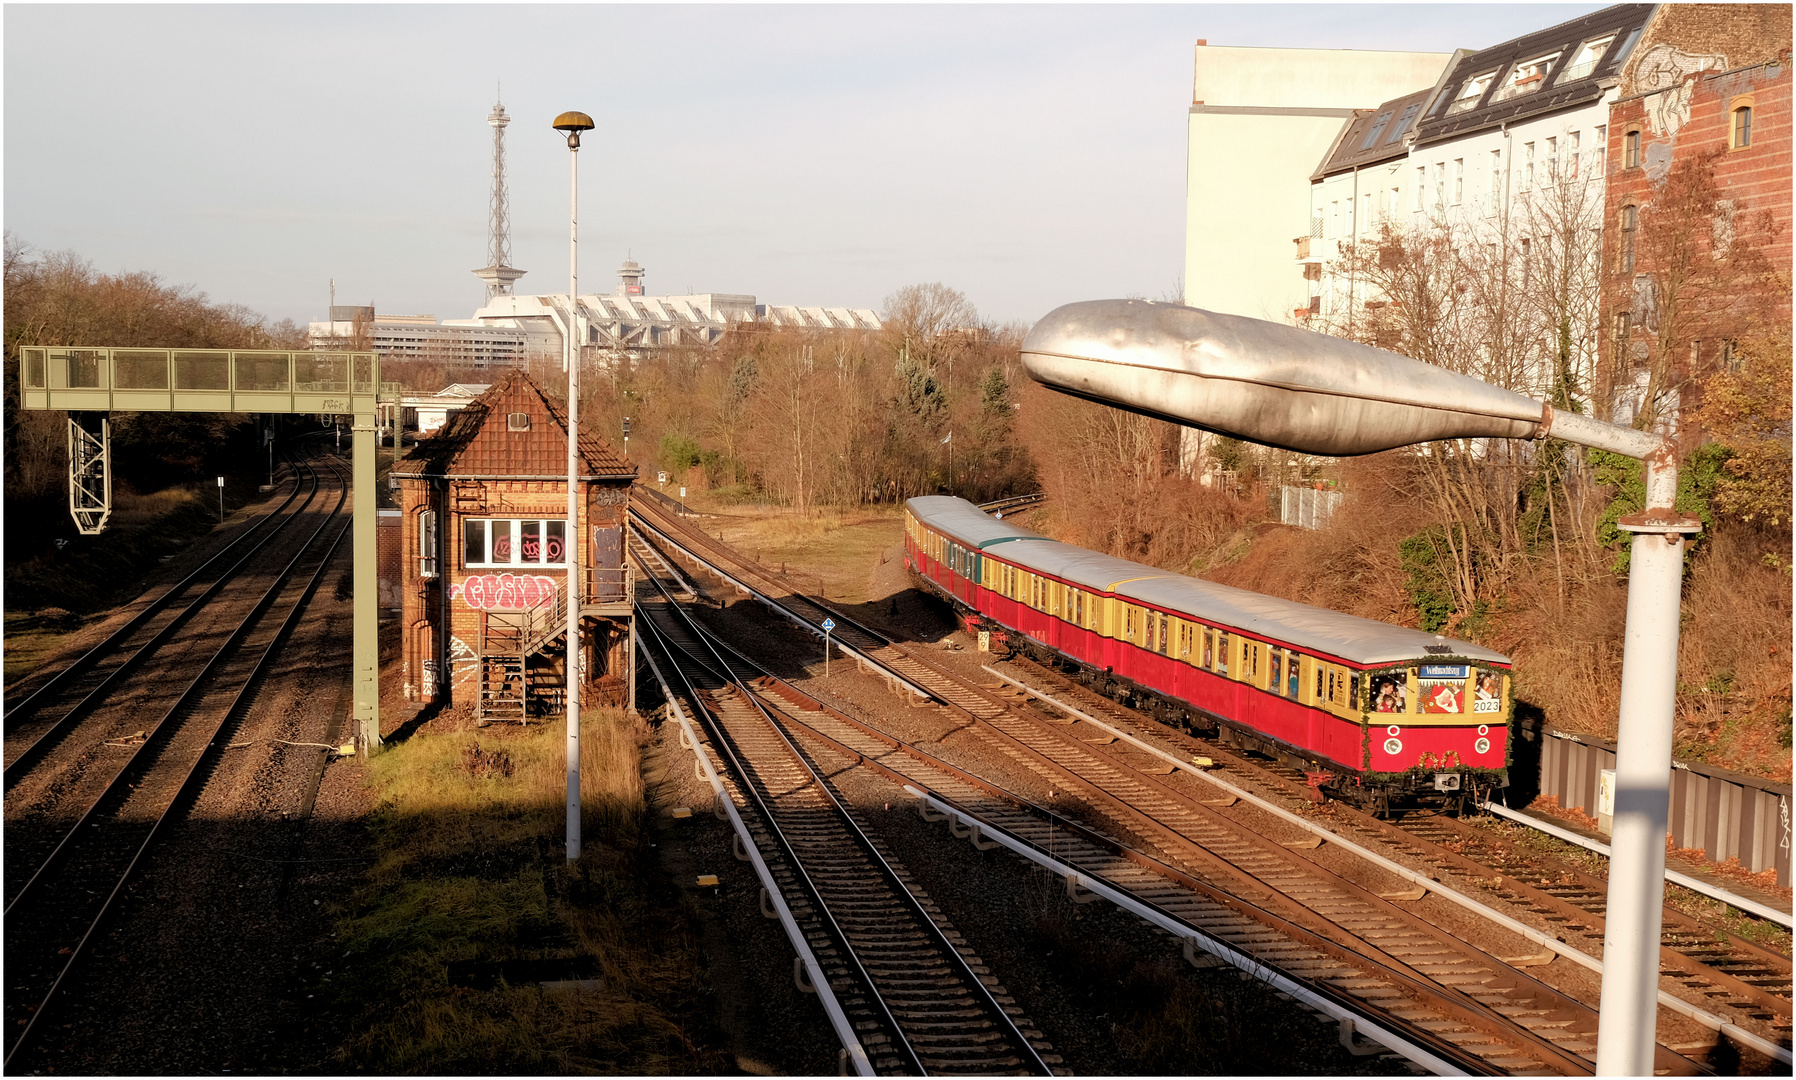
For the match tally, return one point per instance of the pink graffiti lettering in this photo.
(509, 592)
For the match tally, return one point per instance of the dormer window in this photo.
(1377, 130)
(1526, 77)
(1471, 93)
(1585, 60)
(1409, 113)
(517, 421)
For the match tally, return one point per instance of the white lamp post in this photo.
(1314, 394)
(573, 123)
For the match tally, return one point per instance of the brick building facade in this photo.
(483, 541)
(1696, 252)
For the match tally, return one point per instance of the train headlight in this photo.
(1482, 746)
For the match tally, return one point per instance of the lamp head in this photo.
(1264, 382)
(573, 123)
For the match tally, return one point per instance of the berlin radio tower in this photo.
(497, 275)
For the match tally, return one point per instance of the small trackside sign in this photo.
(828, 625)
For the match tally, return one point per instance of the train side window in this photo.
(1222, 652)
(1352, 692)
(1293, 670)
(1320, 674)
(1162, 635)
(1275, 670)
(1209, 650)
(1079, 606)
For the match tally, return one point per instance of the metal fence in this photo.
(1307, 508)
(1728, 815)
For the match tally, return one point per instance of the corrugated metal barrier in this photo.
(1725, 814)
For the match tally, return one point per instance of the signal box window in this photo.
(513, 542)
(427, 544)
(1740, 131)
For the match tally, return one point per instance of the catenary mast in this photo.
(497, 274)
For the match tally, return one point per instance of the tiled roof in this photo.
(478, 440)
(1564, 84)
(1375, 135)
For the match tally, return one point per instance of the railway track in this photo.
(1717, 969)
(36, 724)
(920, 1000)
(1297, 914)
(76, 874)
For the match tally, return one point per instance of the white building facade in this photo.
(1259, 121)
(1504, 156)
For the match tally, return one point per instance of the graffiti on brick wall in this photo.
(506, 592)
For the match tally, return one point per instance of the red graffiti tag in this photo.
(508, 592)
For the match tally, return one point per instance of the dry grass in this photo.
(470, 868)
(829, 549)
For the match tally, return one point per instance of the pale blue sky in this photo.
(1027, 155)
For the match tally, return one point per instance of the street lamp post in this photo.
(573, 123)
(1302, 391)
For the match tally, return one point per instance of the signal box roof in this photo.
(481, 440)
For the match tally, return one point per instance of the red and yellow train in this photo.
(1374, 713)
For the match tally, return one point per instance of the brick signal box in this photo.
(485, 542)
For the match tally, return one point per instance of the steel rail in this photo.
(1707, 888)
(865, 842)
(196, 775)
(20, 766)
(93, 655)
(1014, 501)
(727, 750)
(1440, 1049)
(809, 625)
(1455, 1000)
(1464, 865)
(145, 754)
(1359, 957)
(845, 1032)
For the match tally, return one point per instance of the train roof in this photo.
(967, 523)
(1311, 628)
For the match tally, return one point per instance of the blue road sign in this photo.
(828, 625)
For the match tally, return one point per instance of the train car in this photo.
(1375, 714)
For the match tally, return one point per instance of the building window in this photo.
(1624, 325)
(1365, 221)
(427, 544)
(1599, 155)
(514, 542)
(1552, 158)
(1527, 261)
(1630, 150)
(1493, 196)
(1740, 131)
(1730, 356)
(1630, 220)
(1440, 184)
(1377, 130)
(1421, 185)
(1409, 113)
(1394, 205)
(1470, 93)
(1527, 166)
(1571, 154)
(1458, 181)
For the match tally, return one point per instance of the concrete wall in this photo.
(1260, 122)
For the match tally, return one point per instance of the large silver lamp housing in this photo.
(1263, 381)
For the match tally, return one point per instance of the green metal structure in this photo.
(89, 383)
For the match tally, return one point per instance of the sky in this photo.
(808, 154)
